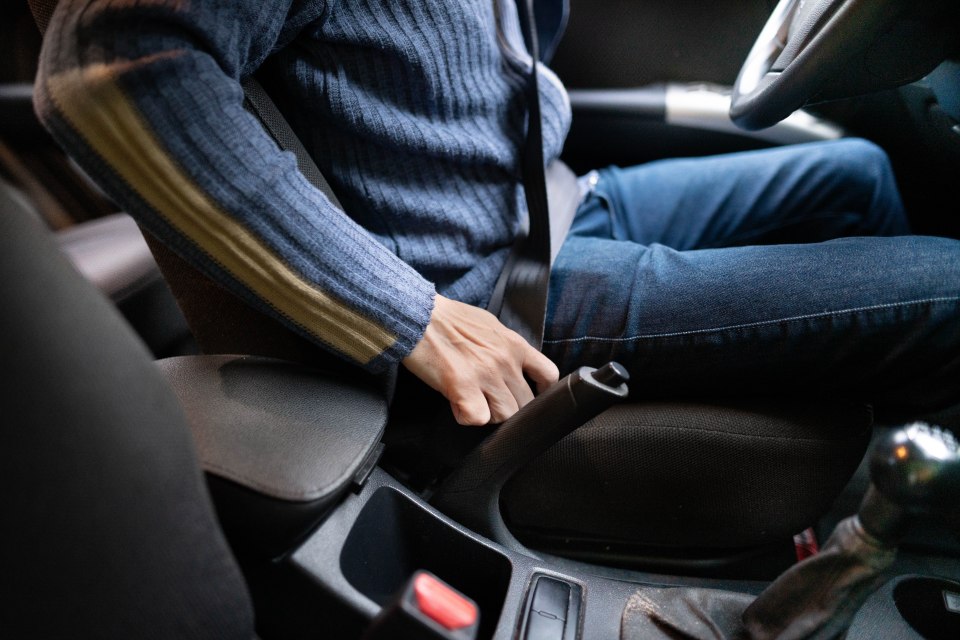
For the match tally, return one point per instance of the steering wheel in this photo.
(817, 50)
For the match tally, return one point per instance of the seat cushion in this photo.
(688, 475)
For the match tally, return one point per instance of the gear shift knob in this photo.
(913, 470)
(917, 467)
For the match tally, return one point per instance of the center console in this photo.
(369, 546)
(355, 536)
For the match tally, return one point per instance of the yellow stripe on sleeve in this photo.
(96, 107)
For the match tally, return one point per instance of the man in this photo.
(414, 110)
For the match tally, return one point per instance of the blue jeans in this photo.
(787, 270)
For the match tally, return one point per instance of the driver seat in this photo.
(671, 485)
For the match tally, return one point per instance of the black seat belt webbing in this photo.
(259, 103)
(520, 297)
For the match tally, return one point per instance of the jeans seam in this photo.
(825, 314)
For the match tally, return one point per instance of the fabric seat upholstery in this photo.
(109, 531)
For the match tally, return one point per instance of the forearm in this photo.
(148, 101)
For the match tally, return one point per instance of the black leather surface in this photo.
(283, 430)
(691, 613)
(819, 597)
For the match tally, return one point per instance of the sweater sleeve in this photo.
(145, 96)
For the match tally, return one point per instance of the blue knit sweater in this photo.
(413, 109)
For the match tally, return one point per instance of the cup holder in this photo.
(394, 536)
(931, 606)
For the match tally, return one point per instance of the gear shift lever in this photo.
(914, 470)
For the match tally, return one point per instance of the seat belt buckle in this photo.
(426, 608)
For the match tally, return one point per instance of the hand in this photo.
(477, 363)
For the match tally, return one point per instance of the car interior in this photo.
(169, 477)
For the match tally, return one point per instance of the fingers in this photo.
(540, 368)
(520, 392)
(487, 401)
(470, 409)
(477, 364)
(503, 403)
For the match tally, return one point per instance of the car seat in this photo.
(109, 531)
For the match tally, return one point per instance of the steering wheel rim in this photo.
(801, 43)
(817, 50)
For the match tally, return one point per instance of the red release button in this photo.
(442, 604)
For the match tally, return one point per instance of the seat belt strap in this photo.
(520, 296)
(262, 106)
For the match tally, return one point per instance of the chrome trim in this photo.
(705, 106)
(770, 43)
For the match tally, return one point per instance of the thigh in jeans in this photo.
(798, 193)
(875, 318)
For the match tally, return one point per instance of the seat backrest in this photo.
(108, 529)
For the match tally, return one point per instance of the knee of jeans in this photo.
(870, 157)
(862, 158)
(869, 172)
